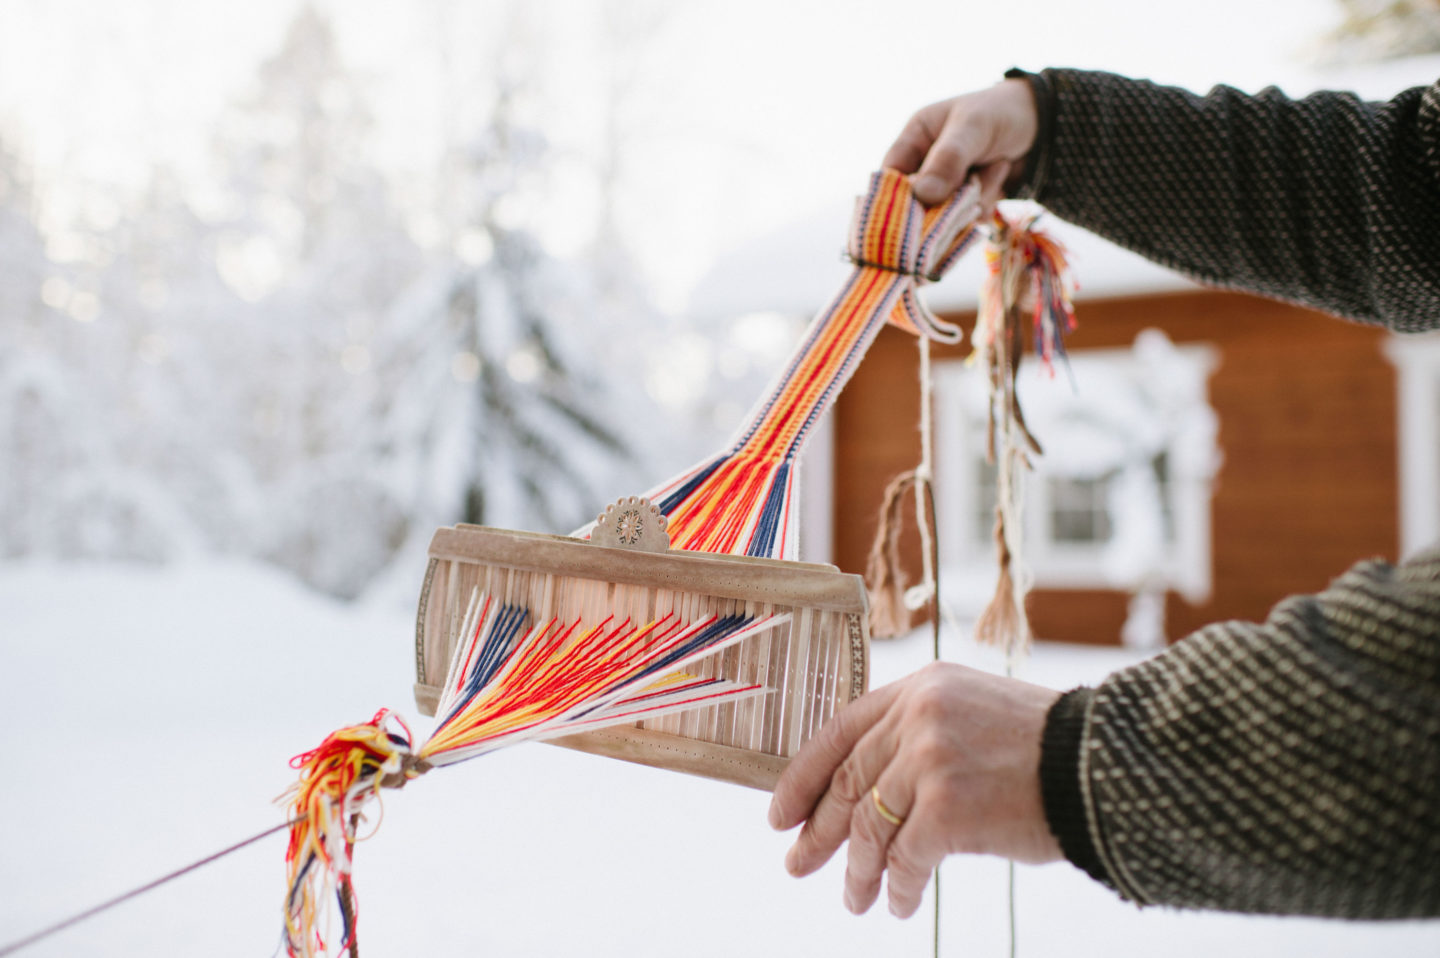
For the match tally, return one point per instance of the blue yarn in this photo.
(498, 646)
(764, 539)
(668, 504)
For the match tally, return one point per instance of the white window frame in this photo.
(969, 566)
(1417, 384)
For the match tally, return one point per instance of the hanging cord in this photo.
(1010, 895)
(347, 914)
(928, 591)
(347, 900)
(891, 602)
(75, 919)
(1029, 285)
(929, 550)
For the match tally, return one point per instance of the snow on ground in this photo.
(152, 710)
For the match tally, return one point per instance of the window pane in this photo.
(983, 522)
(1078, 511)
(1161, 468)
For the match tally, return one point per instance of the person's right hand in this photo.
(951, 754)
(987, 133)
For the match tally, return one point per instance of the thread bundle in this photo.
(1028, 282)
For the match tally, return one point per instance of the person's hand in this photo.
(951, 752)
(987, 133)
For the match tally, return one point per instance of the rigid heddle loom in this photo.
(677, 630)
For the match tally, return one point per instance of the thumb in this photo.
(992, 186)
(958, 147)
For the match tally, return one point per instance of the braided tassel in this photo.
(884, 575)
(1028, 278)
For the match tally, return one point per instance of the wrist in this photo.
(1061, 773)
(1031, 170)
(1040, 844)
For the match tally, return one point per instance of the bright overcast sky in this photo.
(747, 114)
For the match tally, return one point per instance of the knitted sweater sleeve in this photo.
(1327, 201)
(1291, 766)
(1286, 767)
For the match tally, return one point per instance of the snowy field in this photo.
(152, 710)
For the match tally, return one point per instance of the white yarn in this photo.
(917, 596)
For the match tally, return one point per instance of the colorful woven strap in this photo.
(739, 502)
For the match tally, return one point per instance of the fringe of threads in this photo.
(1028, 278)
(337, 778)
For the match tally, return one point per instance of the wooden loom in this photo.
(814, 664)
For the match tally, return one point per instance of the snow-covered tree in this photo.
(274, 365)
(311, 236)
(1386, 29)
(35, 389)
(529, 426)
(525, 433)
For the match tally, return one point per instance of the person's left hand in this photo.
(953, 753)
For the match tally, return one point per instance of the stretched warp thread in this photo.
(1028, 281)
(514, 680)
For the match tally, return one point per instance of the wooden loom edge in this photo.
(809, 584)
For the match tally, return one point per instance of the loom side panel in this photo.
(427, 698)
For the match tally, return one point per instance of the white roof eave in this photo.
(797, 269)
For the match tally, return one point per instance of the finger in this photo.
(914, 141)
(849, 790)
(870, 836)
(992, 187)
(947, 164)
(808, 775)
(915, 851)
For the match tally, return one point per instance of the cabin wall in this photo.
(1309, 480)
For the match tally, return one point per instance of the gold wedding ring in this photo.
(885, 813)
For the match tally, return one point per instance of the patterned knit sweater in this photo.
(1291, 766)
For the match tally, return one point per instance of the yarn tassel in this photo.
(1004, 621)
(1028, 279)
(337, 779)
(890, 615)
